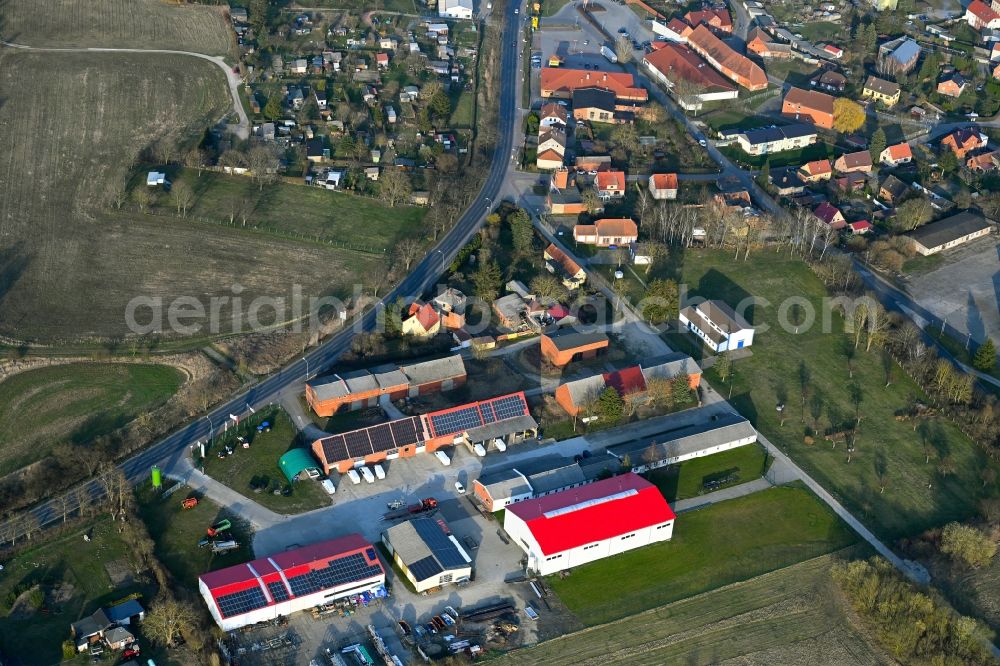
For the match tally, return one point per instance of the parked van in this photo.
(367, 473)
(500, 444)
(353, 475)
(443, 457)
(328, 486)
(480, 450)
(379, 472)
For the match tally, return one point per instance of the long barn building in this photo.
(505, 418)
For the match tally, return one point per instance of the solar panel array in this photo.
(486, 409)
(459, 420)
(340, 571)
(278, 590)
(374, 439)
(509, 407)
(241, 602)
(440, 545)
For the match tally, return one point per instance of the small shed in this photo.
(154, 178)
(296, 462)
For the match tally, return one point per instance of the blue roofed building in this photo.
(427, 553)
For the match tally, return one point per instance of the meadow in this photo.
(39, 409)
(887, 482)
(142, 24)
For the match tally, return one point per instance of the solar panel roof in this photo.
(441, 546)
(241, 602)
(278, 590)
(425, 568)
(373, 439)
(509, 406)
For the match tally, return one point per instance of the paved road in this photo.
(167, 451)
(241, 129)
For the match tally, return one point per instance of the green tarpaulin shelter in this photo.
(296, 461)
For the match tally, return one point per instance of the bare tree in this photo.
(143, 198)
(394, 186)
(165, 620)
(117, 192)
(65, 503)
(118, 497)
(407, 250)
(195, 159)
(623, 49)
(263, 164)
(183, 196)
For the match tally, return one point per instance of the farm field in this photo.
(258, 466)
(916, 497)
(176, 532)
(296, 210)
(744, 463)
(141, 24)
(75, 578)
(724, 543)
(66, 246)
(788, 617)
(76, 403)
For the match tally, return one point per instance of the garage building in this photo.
(427, 553)
(949, 232)
(581, 525)
(295, 580)
(724, 433)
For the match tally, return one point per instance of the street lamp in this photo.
(211, 429)
(306, 361)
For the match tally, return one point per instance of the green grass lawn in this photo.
(789, 617)
(177, 531)
(732, 120)
(715, 546)
(75, 403)
(258, 465)
(922, 264)
(688, 478)
(298, 211)
(74, 577)
(817, 151)
(822, 31)
(916, 497)
(461, 115)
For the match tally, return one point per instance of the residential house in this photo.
(663, 186)
(896, 154)
(382, 60)
(511, 311)
(315, 151)
(830, 215)
(860, 161)
(881, 90)
(560, 264)
(718, 325)
(559, 83)
(593, 163)
(320, 97)
(673, 63)
(607, 232)
(851, 182)
(952, 85)
(816, 107)
(299, 66)
(610, 185)
(949, 232)
(818, 170)
(834, 52)
(594, 104)
(119, 638)
(553, 114)
(980, 15)
(759, 42)
(964, 140)
(570, 344)
(372, 173)
(551, 148)
(422, 321)
(787, 182)
(983, 163)
(892, 190)
(830, 81)
(716, 18)
(732, 65)
(860, 227)
(768, 140)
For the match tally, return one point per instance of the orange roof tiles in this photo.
(608, 180)
(559, 80)
(559, 257)
(620, 226)
(900, 151)
(665, 181)
(678, 61)
(737, 67)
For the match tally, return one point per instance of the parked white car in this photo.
(459, 487)
(367, 474)
(353, 475)
(379, 472)
(328, 486)
(443, 457)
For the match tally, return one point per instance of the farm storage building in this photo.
(949, 232)
(427, 552)
(727, 432)
(497, 488)
(284, 583)
(567, 345)
(505, 417)
(580, 525)
(363, 388)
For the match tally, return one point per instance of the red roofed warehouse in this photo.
(574, 395)
(570, 528)
(734, 66)
(815, 107)
(560, 83)
(291, 581)
(676, 62)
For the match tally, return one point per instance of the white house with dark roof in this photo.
(718, 325)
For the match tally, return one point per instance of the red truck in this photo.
(423, 506)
